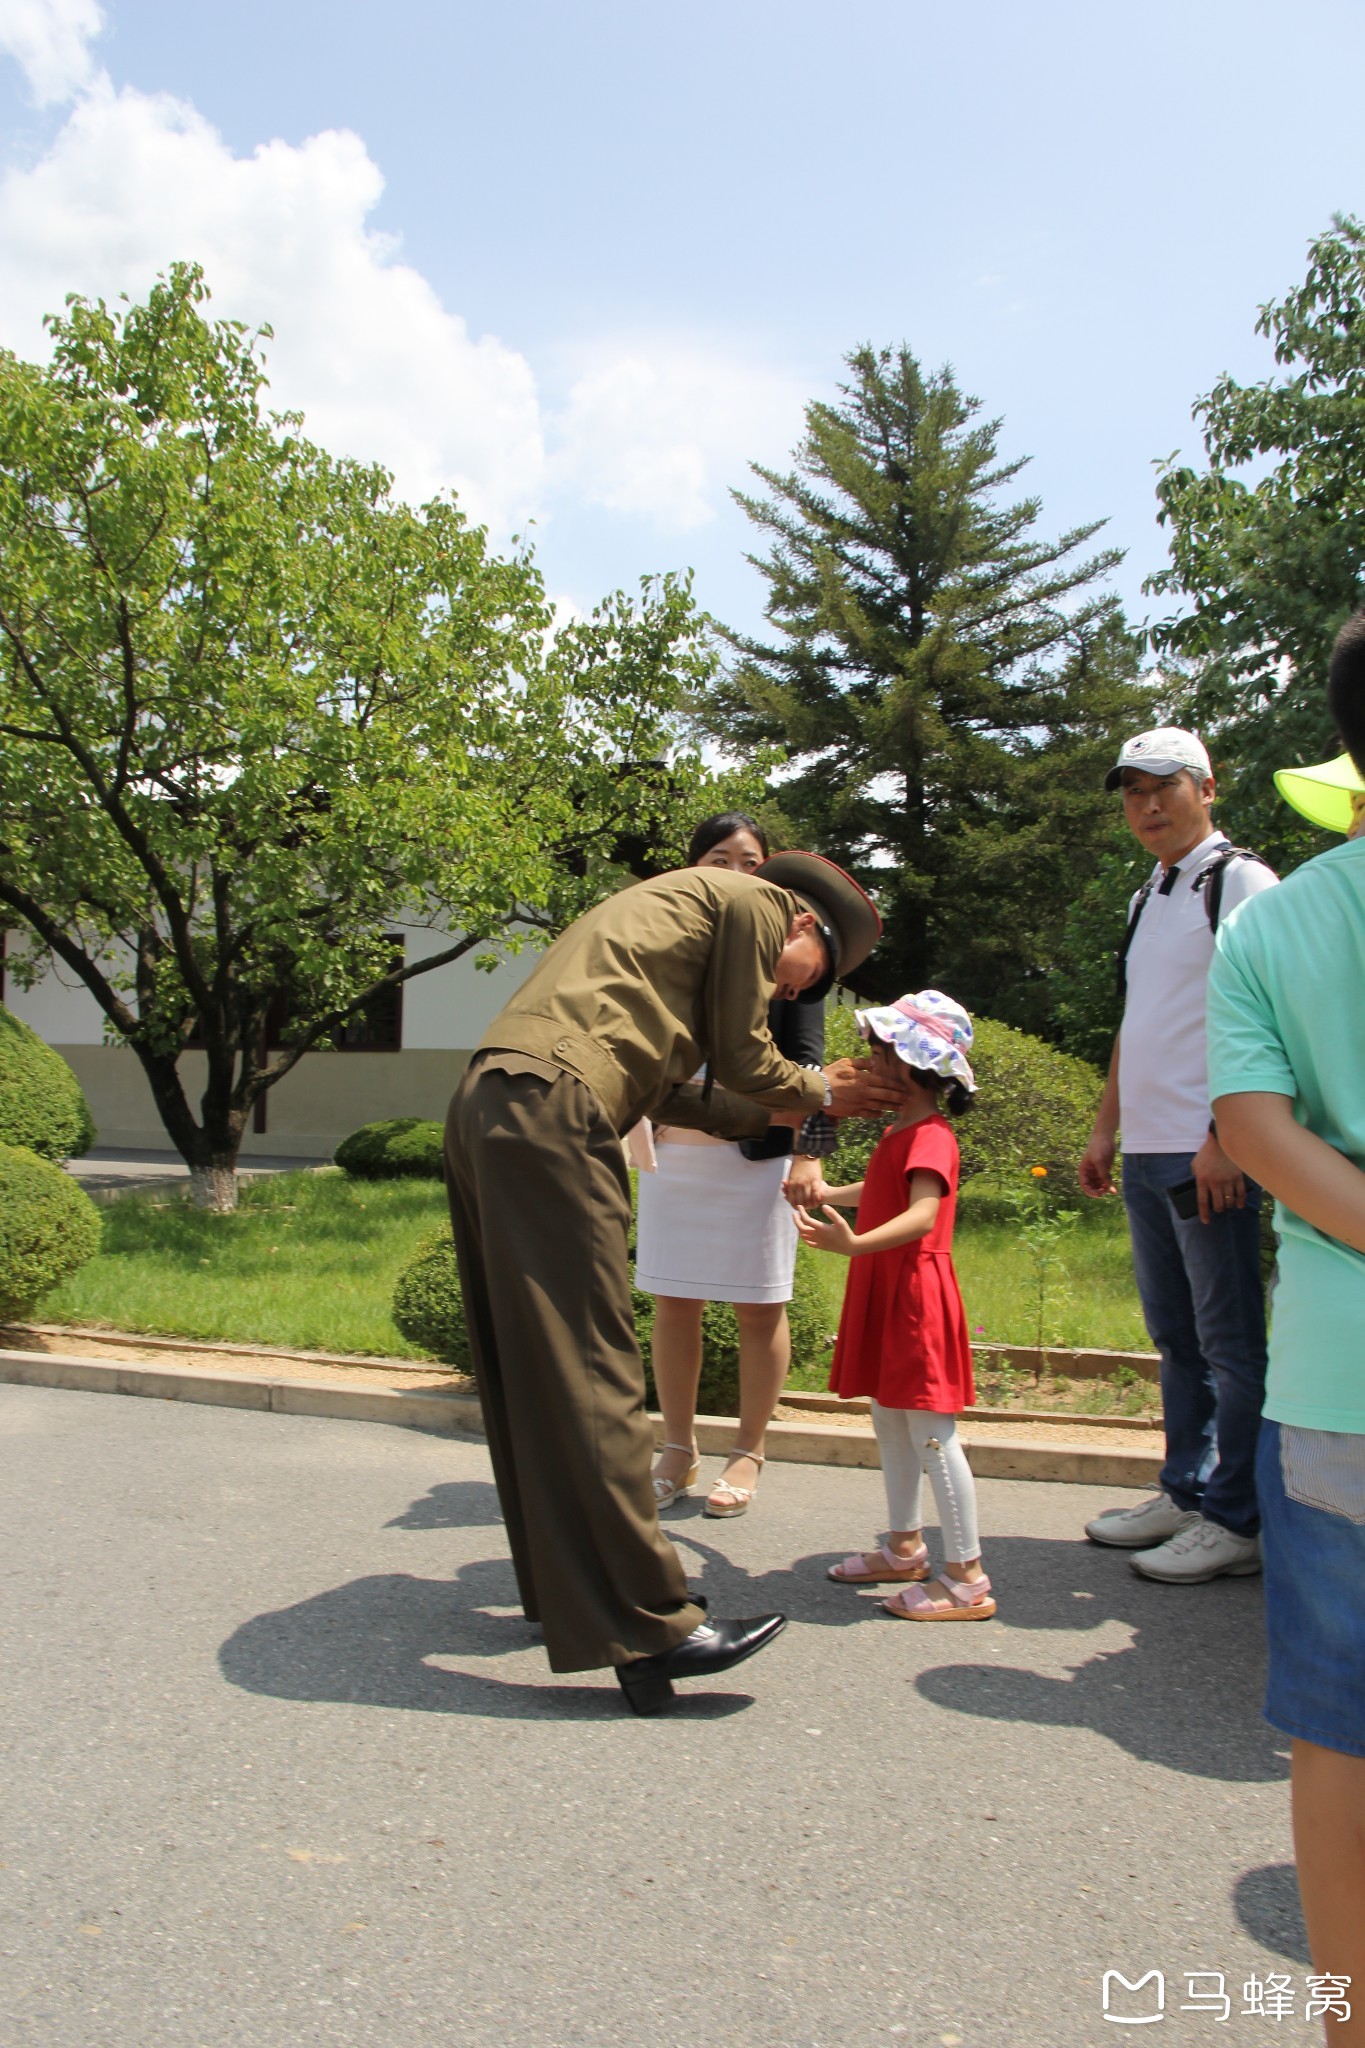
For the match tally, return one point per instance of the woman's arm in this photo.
(917, 1219)
(800, 1032)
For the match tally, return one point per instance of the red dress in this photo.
(903, 1331)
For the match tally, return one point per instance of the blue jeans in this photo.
(1312, 1486)
(1200, 1285)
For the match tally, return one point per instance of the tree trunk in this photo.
(210, 1153)
(214, 1185)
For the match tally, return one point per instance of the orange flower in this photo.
(1038, 1172)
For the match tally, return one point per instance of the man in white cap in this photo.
(1193, 1217)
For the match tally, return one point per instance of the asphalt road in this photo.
(283, 1765)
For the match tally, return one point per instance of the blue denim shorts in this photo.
(1311, 1484)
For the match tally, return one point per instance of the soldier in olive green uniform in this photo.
(635, 997)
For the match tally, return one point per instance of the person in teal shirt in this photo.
(1287, 1081)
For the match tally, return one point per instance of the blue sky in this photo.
(586, 261)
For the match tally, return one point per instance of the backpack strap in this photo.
(1209, 880)
(1121, 951)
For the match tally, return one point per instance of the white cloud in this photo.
(659, 430)
(362, 344)
(50, 40)
(651, 429)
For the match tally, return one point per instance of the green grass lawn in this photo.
(1091, 1304)
(310, 1259)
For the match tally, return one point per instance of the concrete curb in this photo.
(140, 1341)
(418, 1409)
(812, 1443)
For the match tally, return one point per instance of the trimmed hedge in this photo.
(426, 1301)
(48, 1227)
(428, 1311)
(42, 1107)
(401, 1147)
(1034, 1107)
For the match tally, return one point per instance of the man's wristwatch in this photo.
(829, 1096)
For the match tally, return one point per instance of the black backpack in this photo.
(1208, 882)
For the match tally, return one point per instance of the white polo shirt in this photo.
(1163, 1076)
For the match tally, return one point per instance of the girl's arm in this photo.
(915, 1220)
(842, 1198)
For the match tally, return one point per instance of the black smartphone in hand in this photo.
(1184, 1199)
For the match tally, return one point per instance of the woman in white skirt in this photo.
(714, 1225)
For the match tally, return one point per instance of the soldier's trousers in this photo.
(540, 1205)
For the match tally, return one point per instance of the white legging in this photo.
(912, 1442)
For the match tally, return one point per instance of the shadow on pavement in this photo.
(1266, 1901)
(371, 1644)
(455, 1504)
(1186, 1693)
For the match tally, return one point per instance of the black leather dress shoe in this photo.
(647, 1682)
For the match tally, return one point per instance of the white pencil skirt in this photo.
(713, 1226)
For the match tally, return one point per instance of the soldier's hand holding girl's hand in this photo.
(805, 1183)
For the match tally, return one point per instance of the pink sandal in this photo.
(853, 1572)
(961, 1600)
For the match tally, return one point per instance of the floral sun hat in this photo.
(929, 1031)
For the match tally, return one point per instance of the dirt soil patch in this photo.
(293, 1365)
(330, 1369)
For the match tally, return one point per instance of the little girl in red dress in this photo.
(903, 1332)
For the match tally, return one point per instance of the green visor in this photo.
(1322, 794)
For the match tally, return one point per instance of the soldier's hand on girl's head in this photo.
(858, 1090)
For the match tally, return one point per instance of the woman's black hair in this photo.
(711, 831)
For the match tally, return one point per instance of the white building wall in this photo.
(60, 1008)
(445, 1014)
(452, 1007)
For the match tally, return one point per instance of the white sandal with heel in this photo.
(666, 1490)
(738, 1497)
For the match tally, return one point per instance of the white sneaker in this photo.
(1140, 1527)
(1202, 1550)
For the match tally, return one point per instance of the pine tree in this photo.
(946, 686)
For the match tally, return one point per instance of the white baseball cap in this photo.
(1161, 752)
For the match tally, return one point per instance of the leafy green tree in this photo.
(945, 685)
(1268, 545)
(253, 709)
(1086, 1008)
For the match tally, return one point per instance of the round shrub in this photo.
(718, 1391)
(428, 1311)
(48, 1228)
(41, 1104)
(1034, 1107)
(426, 1301)
(398, 1148)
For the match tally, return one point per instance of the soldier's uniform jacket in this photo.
(670, 974)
